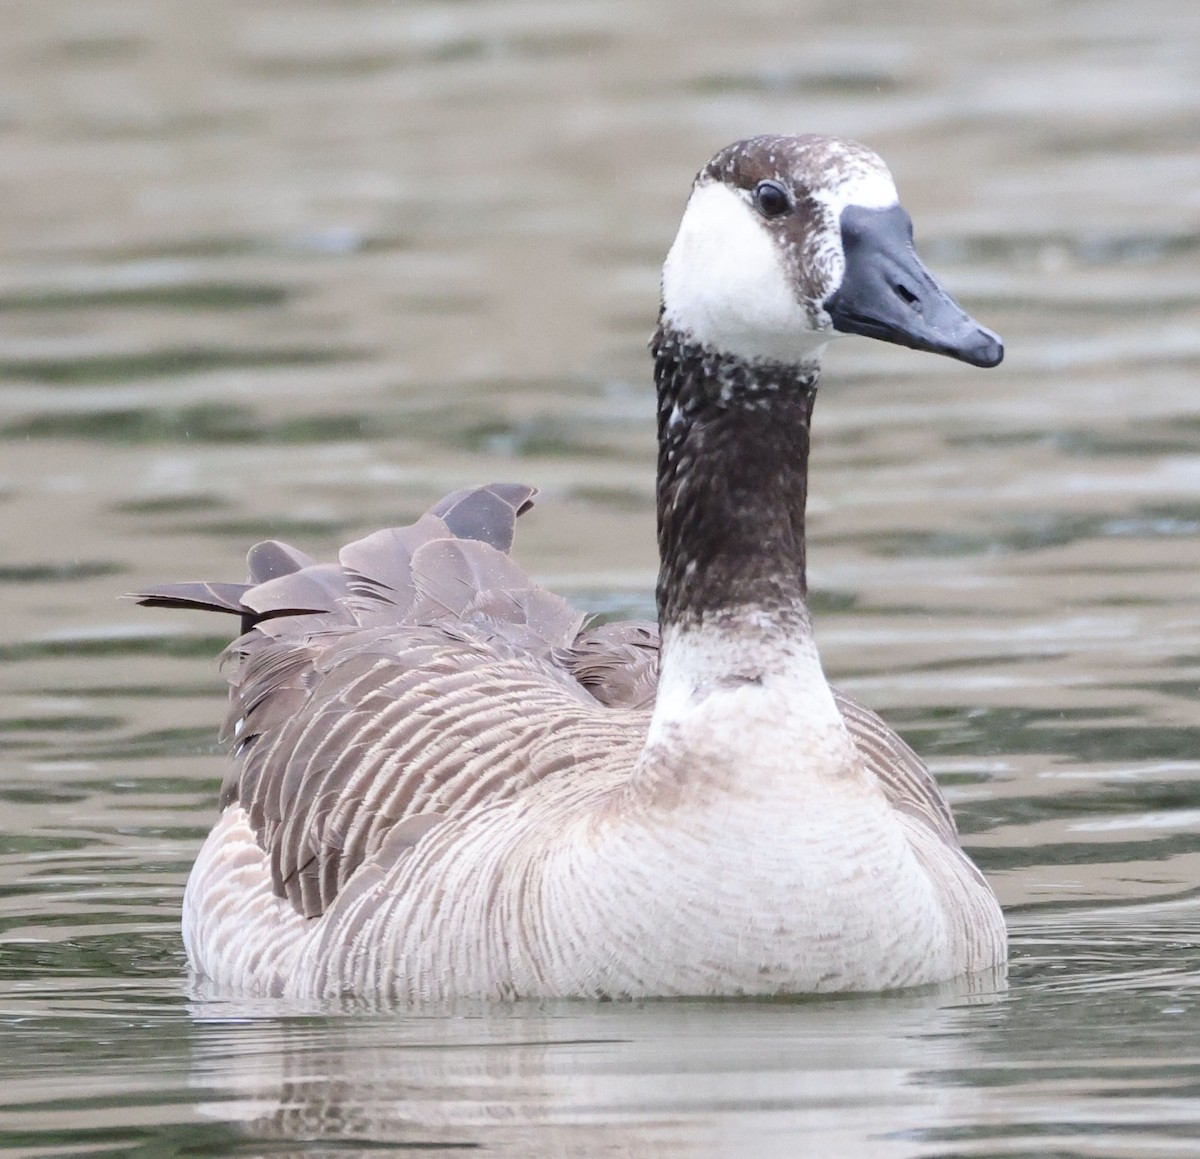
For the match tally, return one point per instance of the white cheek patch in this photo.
(725, 283)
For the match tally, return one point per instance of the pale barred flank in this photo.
(629, 899)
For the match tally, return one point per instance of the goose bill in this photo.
(887, 293)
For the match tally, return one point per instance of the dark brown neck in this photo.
(733, 440)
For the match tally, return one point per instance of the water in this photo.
(297, 269)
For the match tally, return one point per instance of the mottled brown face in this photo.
(774, 237)
(798, 186)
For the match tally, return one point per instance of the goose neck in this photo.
(733, 444)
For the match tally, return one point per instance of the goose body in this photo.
(445, 784)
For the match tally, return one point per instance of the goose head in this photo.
(788, 242)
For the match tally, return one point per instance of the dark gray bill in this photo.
(887, 293)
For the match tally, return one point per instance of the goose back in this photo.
(425, 674)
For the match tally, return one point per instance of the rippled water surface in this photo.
(297, 267)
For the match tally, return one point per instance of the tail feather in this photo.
(319, 588)
(488, 514)
(270, 559)
(200, 596)
(378, 567)
(450, 565)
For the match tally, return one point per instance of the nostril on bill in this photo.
(906, 296)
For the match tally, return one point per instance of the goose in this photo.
(445, 784)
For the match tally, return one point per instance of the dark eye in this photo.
(771, 199)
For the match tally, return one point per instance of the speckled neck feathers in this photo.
(732, 483)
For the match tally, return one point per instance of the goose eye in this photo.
(771, 199)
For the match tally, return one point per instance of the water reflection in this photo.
(645, 1079)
